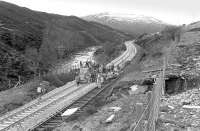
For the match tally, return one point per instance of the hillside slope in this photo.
(31, 41)
(129, 23)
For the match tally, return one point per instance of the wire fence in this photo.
(149, 116)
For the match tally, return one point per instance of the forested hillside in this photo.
(32, 42)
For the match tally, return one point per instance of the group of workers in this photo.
(93, 72)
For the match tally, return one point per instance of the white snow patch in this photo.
(191, 107)
(126, 17)
(115, 109)
(134, 88)
(69, 112)
(110, 118)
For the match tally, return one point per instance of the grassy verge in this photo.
(16, 97)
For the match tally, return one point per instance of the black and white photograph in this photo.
(99, 65)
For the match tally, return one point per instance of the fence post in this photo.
(139, 110)
(149, 95)
(151, 112)
(163, 75)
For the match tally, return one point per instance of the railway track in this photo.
(125, 56)
(84, 101)
(82, 104)
(47, 108)
(43, 110)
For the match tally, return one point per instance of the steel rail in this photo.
(11, 119)
(30, 109)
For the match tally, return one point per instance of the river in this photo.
(74, 60)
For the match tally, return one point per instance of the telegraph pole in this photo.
(163, 74)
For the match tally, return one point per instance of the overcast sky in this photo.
(170, 11)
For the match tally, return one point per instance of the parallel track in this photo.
(55, 102)
(84, 101)
(82, 104)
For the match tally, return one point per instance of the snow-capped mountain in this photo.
(130, 23)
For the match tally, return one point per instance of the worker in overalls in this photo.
(104, 69)
(117, 70)
(112, 67)
(81, 64)
(101, 69)
(92, 75)
(77, 78)
(41, 90)
(100, 80)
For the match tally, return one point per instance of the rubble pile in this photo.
(190, 96)
(183, 109)
(188, 57)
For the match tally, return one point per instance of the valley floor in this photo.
(15, 97)
(174, 112)
(122, 97)
(179, 111)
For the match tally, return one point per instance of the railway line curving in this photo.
(33, 114)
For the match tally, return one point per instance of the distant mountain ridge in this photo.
(129, 23)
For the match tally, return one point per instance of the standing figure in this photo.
(93, 76)
(101, 69)
(98, 80)
(77, 80)
(81, 64)
(112, 67)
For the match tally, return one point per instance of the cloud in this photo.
(171, 11)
